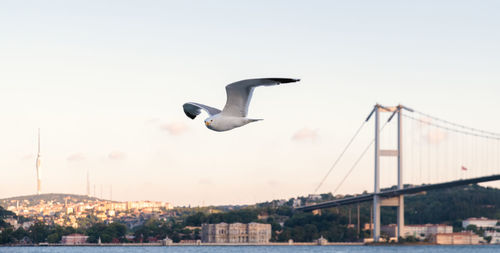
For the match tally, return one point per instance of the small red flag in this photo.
(463, 168)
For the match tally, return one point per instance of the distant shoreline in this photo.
(234, 244)
(188, 244)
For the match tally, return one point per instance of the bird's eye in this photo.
(211, 120)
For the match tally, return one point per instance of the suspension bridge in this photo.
(438, 154)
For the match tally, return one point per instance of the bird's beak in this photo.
(207, 123)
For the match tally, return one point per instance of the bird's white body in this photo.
(235, 111)
(221, 122)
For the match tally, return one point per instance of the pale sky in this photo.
(105, 81)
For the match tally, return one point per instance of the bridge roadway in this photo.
(395, 192)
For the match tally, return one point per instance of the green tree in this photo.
(107, 233)
(472, 228)
(20, 233)
(54, 238)
(6, 236)
(39, 232)
(488, 238)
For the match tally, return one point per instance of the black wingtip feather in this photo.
(285, 80)
(191, 116)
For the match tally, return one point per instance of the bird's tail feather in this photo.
(253, 120)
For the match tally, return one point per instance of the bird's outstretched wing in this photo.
(239, 94)
(194, 109)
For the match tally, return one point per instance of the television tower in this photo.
(38, 168)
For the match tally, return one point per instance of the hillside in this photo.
(54, 197)
(4, 214)
(448, 206)
(453, 205)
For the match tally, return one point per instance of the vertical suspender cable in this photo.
(357, 161)
(340, 156)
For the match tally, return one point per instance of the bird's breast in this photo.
(227, 123)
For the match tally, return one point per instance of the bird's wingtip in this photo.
(191, 116)
(292, 80)
(285, 80)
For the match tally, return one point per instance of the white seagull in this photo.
(235, 111)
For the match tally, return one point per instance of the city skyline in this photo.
(106, 82)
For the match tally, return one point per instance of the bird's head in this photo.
(210, 122)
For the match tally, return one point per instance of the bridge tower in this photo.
(395, 197)
(395, 201)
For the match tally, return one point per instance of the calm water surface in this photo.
(255, 249)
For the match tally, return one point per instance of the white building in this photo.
(456, 238)
(296, 202)
(148, 204)
(12, 222)
(74, 239)
(495, 236)
(314, 197)
(418, 231)
(480, 222)
(255, 233)
(425, 231)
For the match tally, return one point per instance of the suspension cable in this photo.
(459, 125)
(464, 130)
(487, 135)
(357, 161)
(340, 156)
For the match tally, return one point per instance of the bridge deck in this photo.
(396, 192)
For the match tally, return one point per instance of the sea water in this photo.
(257, 249)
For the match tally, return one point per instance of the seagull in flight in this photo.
(235, 111)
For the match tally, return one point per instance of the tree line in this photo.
(446, 206)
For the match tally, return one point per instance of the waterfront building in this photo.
(391, 230)
(426, 231)
(420, 232)
(456, 238)
(480, 222)
(74, 239)
(322, 241)
(495, 236)
(256, 233)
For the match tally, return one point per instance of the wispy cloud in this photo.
(205, 181)
(435, 136)
(117, 155)
(175, 128)
(76, 157)
(272, 183)
(305, 134)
